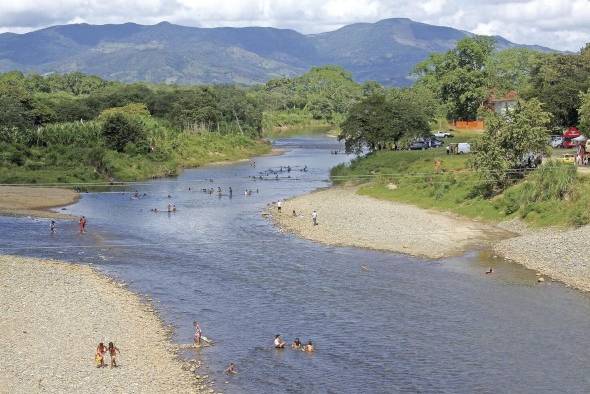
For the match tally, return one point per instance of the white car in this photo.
(442, 134)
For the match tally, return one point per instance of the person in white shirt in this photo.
(279, 205)
(279, 343)
(314, 217)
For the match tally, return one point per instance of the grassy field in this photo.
(555, 196)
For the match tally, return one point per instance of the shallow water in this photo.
(403, 325)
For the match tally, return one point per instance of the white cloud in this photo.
(561, 24)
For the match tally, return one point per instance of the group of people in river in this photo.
(101, 351)
(279, 343)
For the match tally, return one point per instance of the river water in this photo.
(403, 325)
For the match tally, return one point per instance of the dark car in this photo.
(418, 145)
(433, 142)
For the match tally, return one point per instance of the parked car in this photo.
(458, 149)
(442, 134)
(418, 145)
(568, 158)
(556, 141)
(433, 142)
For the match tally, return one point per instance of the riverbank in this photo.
(55, 314)
(348, 219)
(35, 201)
(562, 254)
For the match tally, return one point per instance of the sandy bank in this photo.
(348, 219)
(563, 255)
(55, 314)
(35, 201)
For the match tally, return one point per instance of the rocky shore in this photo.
(348, 219)
(54, 316)
(563, 255)
(35, 201)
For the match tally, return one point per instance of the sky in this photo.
(559, 24)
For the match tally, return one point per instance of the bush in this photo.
(119, 130)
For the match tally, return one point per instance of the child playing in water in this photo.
(113, 351)
(99, 357)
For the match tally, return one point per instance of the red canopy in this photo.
(571, 132)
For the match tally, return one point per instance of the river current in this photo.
(401, 325)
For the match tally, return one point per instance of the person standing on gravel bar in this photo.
(113, 351)
(314, 217)
(198, 333)
(279, 205)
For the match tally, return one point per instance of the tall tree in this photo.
(558, 81)
(459, 77)
(508, 140)
(379, 121)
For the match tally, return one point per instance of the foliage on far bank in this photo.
(75, 128)
(502, 154)
(553, 195)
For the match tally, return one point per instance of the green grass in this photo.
(551, 197)
(73, 164)
(292, 122)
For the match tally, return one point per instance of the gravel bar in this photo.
(53, 317)
(348, 219)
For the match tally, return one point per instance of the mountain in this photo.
(385, 51)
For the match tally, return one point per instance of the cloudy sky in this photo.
(560, 24)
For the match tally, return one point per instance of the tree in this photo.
(460, 77)
(119, 129)
(378, 122)
(584, 112)
(557, 81)
(508, 140)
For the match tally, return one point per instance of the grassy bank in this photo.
(72, 163)
(551, 196)
(293, 122)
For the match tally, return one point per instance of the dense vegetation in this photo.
(73, 127)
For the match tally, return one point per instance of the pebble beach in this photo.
(348, 219)
(54, 316)
(562, 254)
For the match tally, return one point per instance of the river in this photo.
(403, 325)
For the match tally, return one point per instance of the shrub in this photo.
(119, 130)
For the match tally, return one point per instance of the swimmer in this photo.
(52, 227)
(490, 271)
(296, 344)
(309, 347)
(279, 343)
(231, 369)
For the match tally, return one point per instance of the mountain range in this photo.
(385, 51)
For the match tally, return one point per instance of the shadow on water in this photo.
(399, 324)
